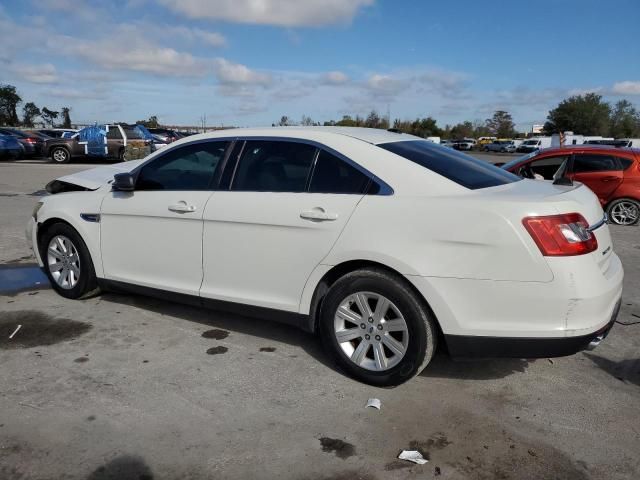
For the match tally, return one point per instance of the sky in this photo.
(249, 62)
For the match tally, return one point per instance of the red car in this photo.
(612, 173)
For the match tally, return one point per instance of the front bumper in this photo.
(474, 346)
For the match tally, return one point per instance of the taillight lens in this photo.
(30, 140)
(561, 235)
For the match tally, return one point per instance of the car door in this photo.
(601, 172)
(115, 140)
(153, 235)
(285, 208)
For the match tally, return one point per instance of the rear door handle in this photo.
(182, 207)
(609, 179)
(318, 214)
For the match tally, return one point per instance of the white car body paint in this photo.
(465, 251)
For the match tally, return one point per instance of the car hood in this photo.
(95, 178)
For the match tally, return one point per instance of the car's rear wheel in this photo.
(60, 155)
(377, 328)
(67, 262)
(624, 211)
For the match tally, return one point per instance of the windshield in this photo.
(518, 160)
(463, 169)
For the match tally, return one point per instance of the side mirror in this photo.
(123, 182)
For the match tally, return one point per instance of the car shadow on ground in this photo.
(627, 371)
(442, 365)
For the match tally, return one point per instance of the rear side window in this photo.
(114, 133)
(333, 175)
(132, 133)
(584, 163)
(273, 166)
(463, 169)
(186, 168)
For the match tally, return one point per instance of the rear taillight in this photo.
(561, 235)
(30, 140)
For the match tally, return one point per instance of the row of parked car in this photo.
(61, 144)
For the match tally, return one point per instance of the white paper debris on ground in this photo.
(374, 402)
(412, 456)
(15, 331)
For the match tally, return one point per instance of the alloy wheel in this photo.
(371, 331)
(625, 213)
(63, 262)
(60, 155)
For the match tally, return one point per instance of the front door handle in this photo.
(609, 179)
(182, 207)
(318, 214)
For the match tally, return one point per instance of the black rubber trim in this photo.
(464, 346)
(290, 318)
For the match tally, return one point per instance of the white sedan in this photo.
(383, 243)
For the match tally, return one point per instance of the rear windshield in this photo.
(463, 169)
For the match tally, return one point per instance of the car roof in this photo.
(373, 136)
(589, 148)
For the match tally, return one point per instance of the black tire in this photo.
(87, 284)
(613, 218)
(421, 324)
(60, 155)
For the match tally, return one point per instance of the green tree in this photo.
(374, 120)
(29, 113)
(501, 124)
(348, 121)
(625, 120)
(421, 127)
(151, 123)
(66, 117)
(9, 100)
(583, 114)
(284, 121)
(49, 116)
(462, 130)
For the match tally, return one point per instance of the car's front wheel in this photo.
(67, 262)
(60, 155)
(377, 328)
(624, 211)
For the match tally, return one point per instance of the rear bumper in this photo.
(515, 347)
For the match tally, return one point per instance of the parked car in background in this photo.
(276, 221)
(464, 144)
(446, 143)
(10, 147)
(484, 140)
(502, 146)
(612, 173)
(118, 140)
(32, 143)
(628, 142)
(166, 135)
(533, 144)
(58, 132)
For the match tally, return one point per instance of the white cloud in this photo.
(43, 73)
(627, 88)
(386, 85)
(198, 35)
(335, 78)
(229, 73)
(287, 13)
(584, 91)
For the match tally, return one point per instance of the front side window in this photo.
(190, 167)
(333, 175)
(458, 167)
(585, 162)
(273, 166)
